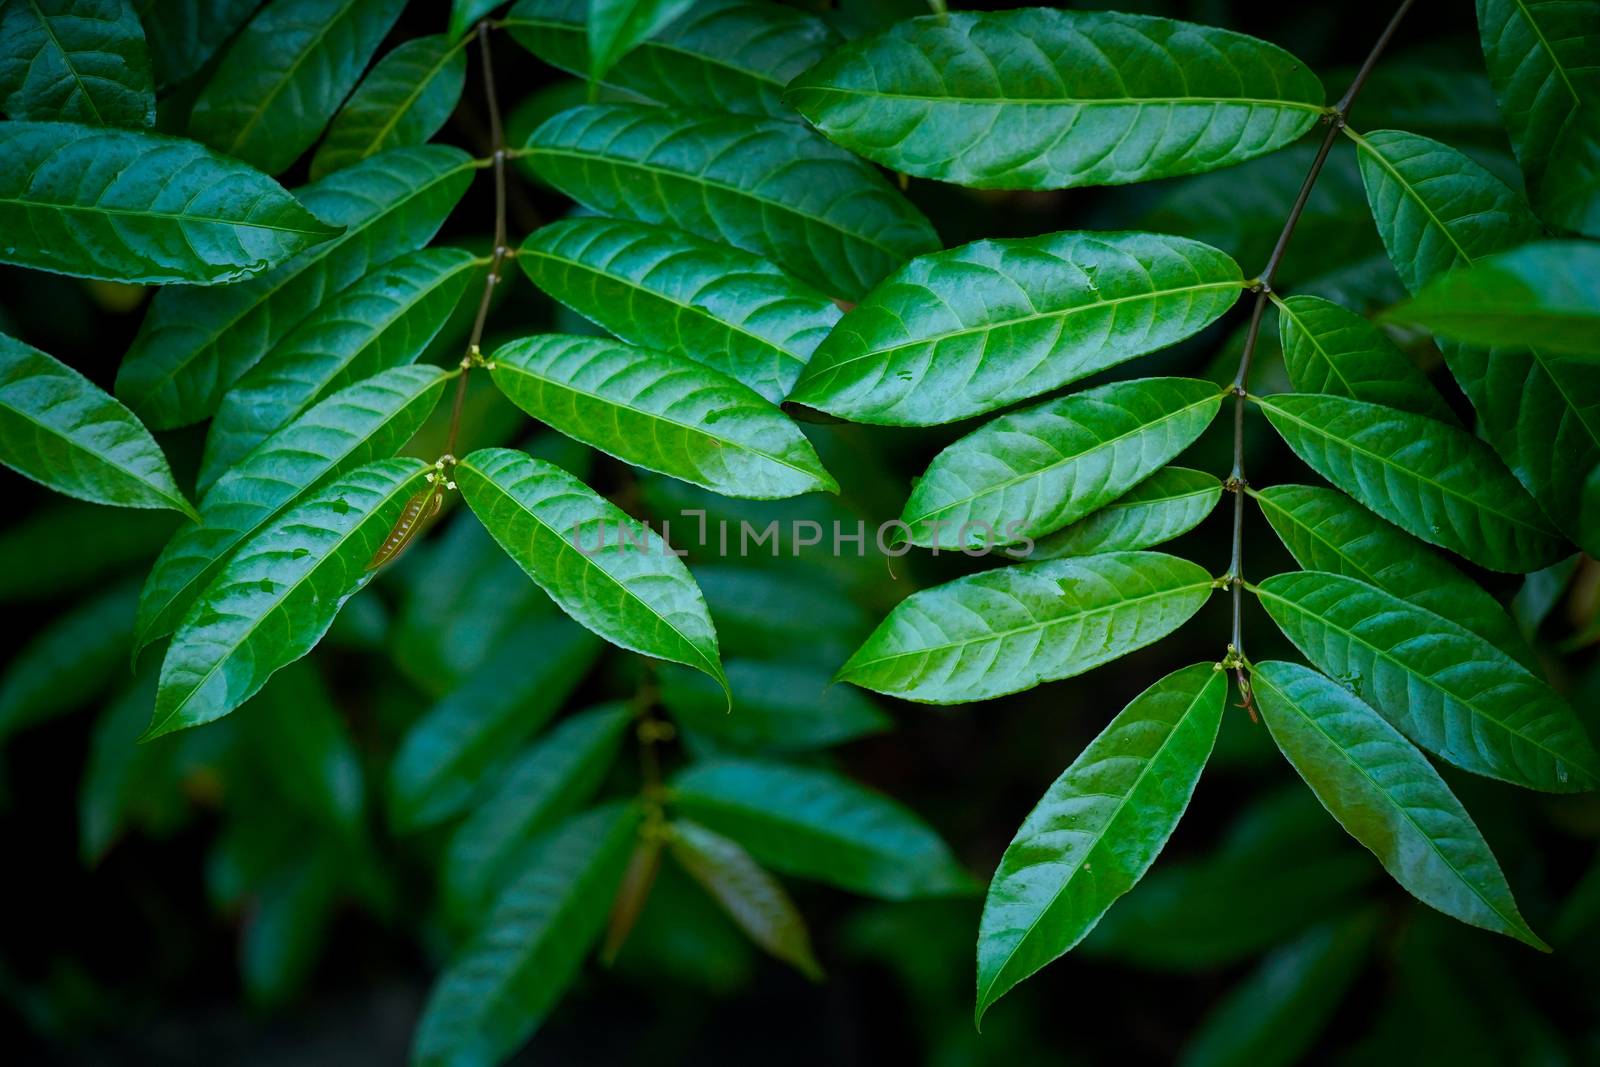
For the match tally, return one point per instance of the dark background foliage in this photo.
(129, 961)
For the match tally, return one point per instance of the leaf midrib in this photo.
(66, 61)
(1066, 101)
(197, 220)
(372, 144)
(289, 74)
(512, 22)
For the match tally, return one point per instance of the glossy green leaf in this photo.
(545, 783)
(448, 757)
(1330, 349)
(367, 421)
(767, 186)
(68, 661)
(723, 55)
(970, 330)
(75, 61)
(386, 319)
(607, 571)
(1098, 828)
(751, 897)
(1568, 196)
(778, 707)
(194, 344)
(1540, 56)
(1046, 99)
(1388, 796)
(1324, 530)
(671, 291)
(1034, 471)
(816, 824)
(614, 27)
(277, 596)
(128, 206)
(1431, 479)
(405, 100)
(465, 14)
(1548, 291)
(1170, 502)
(1006, 630)
(665, 413)
(530, 944)
(1437, 682)
(284, 76)
(183, 35)
(66, 433)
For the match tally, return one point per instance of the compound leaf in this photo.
(1170, 502)
(405, 100)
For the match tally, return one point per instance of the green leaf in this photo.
(778, 707)
(1549, 291)
(1324, 530)
(1388, 796)
(972, 329)
(531, 943)
(1429, 478)
(124, 782)
(1034, 471)
(1540, 593)
(751, 897)
(466, 14)
(284, 76)
(1044, 99)
(1330, 349)
(722, 55)
(1540, 55)
(544, 784)
(405, 100)
(1006, 630)
(68, 661)
(194, 344)
(128, 206)
(294, 728)
(292, 911)
(75, 61)
(1438, 683)
(819, 627)
(813, 823)
(367, 421)
(607, 571)
(1170, 502)
(616, 26)
(386, 319)
(767, 186)
(1098, 828)
(661, 412)
(277, 596)
(60, 429)
(1568, 197)
(671, 291)
(184, 34)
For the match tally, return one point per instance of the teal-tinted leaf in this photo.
(724, 55)
(1549, 292)
(1540, 593)
(544, 784)
(465, 14)
(600, 566)
(1170, 502)
(777, 707)
(288, 926)
(1327, 531)
(1034, 471)
(1388, 796)
(367, 421)
(296, 732)
(1005, 630)
(183, 35)
(66, 433)
(1568, 197)
(1045, 99)
(69, 546)
(404, 101)
(277, 596)
(752, 898)
(386, 319)
(1429, 478)
(127, 206)
(123, 782)
(966, 331)
(1438, 683)
(194, 344)
(68, 661)
(661, 412)
(616, 26)
(820, 627)
(816, 824)
(1541, 60)
(1098, 828)
(671, 291)
(284, 76)
(764, 185)
(531, 942)
(75, 61)
(1331, 349)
